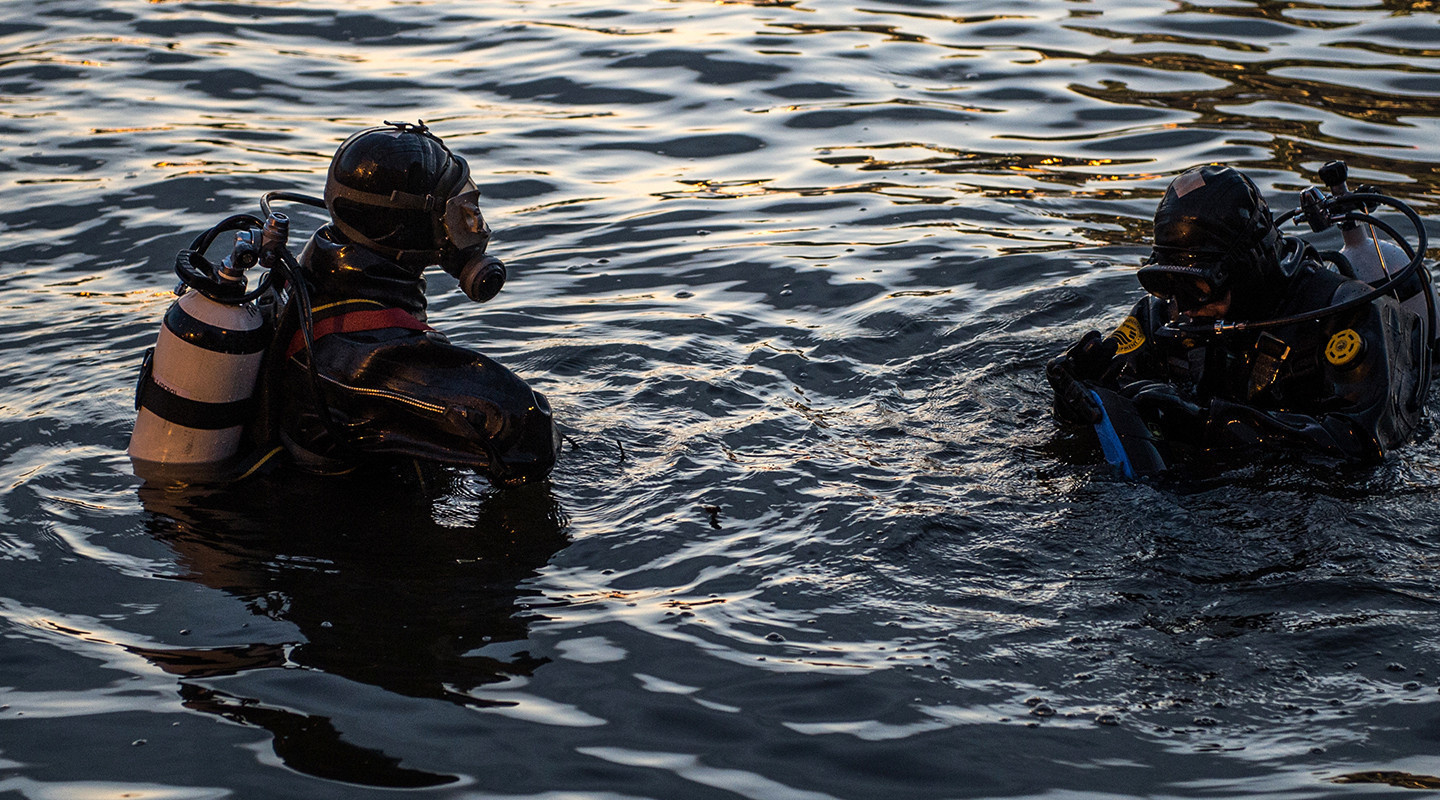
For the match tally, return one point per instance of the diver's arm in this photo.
(1342, 435)
(1226, 424)
(1094, 361)
(1069, 374)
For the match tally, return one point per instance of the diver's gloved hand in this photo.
(1179, 417)
(1086, 360)
(1090, 356)
(1073, 401)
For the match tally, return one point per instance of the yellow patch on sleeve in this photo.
(1128, 337)
(1343, 347)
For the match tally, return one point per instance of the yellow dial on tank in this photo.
(1344, 346)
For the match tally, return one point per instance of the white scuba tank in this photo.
(196, 386)
(1376, 260)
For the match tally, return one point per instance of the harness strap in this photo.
(355, 322)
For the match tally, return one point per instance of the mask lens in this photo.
(1190, 296)
(464, 224)
(1188, 291)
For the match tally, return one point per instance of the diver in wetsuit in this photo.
(362, 375)
(1350, 385)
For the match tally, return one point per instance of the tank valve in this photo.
(273, 239)
(244, 255)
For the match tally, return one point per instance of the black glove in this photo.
(1073, 402)
(1178, 417)
(1086, 360)
(1090, 356)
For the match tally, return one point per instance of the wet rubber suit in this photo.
(389, 384)
(1351, 385)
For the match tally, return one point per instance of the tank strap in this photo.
(370, 319)
(169, 406)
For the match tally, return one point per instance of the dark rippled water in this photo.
(788, 271)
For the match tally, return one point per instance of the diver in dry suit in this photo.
(330, 358)
(399, 201)
(1350, 385)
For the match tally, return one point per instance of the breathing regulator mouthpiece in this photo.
(482, 276)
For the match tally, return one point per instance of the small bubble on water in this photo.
(327, 624)
(1412, 686)
(1395, 666)
(1043, 710)
(774, 637)
(1107, 719)
(1206, 722)
(684, 295)
(184, 631)
(138, 743)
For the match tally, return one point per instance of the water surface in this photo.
(789, 273)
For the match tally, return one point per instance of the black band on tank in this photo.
(171, 407)
(213, 337)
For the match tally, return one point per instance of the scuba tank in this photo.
(197, 384)
(1364, 256)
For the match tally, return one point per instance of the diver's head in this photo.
(398, 190)
(1216, 245)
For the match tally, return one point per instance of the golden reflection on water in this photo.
(817, 307)
(1402, 780)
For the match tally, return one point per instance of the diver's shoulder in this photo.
(1317, 287)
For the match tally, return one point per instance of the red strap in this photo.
(356, 321)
